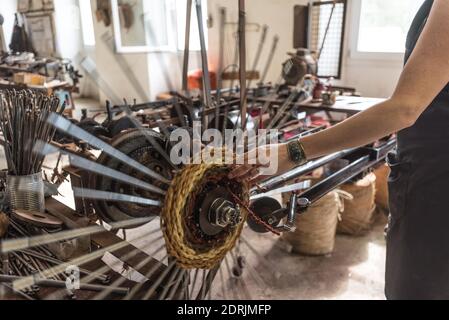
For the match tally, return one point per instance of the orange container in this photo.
(195, 80)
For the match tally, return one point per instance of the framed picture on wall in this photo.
(48, 5)
(23, 5)
(37, 5)
(42, 33)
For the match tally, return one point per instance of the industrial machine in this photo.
(192, 218)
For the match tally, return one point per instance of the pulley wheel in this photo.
(135, 144)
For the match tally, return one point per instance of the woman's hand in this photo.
(262, 163)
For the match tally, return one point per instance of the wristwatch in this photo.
(296, 152)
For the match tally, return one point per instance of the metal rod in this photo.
(171, 283)
(121, 280)
(29, 242)
(178, 282)
(69, 128)
(158, 282)
(61, 284)
(220, 59)
(185, 71)
(270, 59)
(242, 50)
(205, 65)
(195, 277)
(139, 286)
(300, 171)
(259, 52)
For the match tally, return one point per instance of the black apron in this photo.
(418, 234)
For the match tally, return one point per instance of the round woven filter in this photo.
(185, 188)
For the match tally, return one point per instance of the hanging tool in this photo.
(270, 59)
(259, 52)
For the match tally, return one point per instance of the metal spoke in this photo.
(29, 242)
(139, 286)
(99, 169)
(182, 279)
(150, 138)
(231, 278)
(59, 269)
(195, 278)
(158, 282)
(69, 128)
(171, 282)
(110, 196)
(223, 287)
(121, 280)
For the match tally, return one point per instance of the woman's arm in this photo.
(424, 76)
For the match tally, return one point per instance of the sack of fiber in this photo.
(357, 216)
(316, 228)
(382, 173)
(4, 223)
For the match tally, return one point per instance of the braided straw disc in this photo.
(176, 211)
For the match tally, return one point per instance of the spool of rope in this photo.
(357, 216)
(316, 228)
(185, 187)
(4, 224)
(382, 174)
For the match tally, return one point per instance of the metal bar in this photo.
(262, 41)
(206, 286)
(220, 65)
(242, 50)
(324, 187)
(67, 127)
(270, 59)
(185, 70)
(110, 196)
(62, 284)
(29, 242)
(205, 65)
(299, 171)
(220, 59)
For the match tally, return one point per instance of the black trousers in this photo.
(418, 234)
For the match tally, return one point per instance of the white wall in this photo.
(7, 9)
(69, 40)
(376, 78)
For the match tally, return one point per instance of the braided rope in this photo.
(175, 210)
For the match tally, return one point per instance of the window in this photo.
(87, 23)
(327, 22)
(157, 26)
(383, 25)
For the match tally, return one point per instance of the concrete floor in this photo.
(354, 271)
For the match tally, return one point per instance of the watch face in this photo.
(296, 152)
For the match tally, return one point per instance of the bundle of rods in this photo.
(23, 121)
(33, 262)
